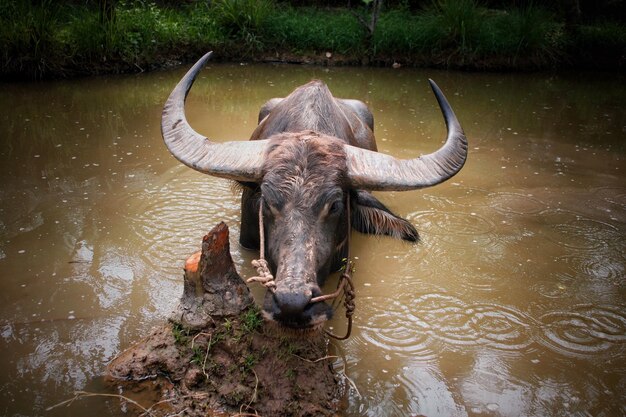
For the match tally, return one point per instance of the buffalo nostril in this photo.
(292, 302)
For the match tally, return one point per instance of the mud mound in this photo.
(217, 356)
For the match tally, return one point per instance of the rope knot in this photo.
(264, 276)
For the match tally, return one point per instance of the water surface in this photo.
(513, 304)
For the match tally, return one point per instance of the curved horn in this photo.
(241, 161)
(375, 171)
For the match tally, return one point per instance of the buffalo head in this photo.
(311, 156)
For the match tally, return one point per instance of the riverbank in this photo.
(52, 40)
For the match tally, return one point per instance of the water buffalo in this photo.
(310, 156)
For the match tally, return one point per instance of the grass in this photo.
(201, 343)
(241, 18)
(181, 335)
(198, 356)
(28, 35)
(307, 30)
(251, 320)
(249, 361)
(461, 33)
(53, 38)
(42, 38)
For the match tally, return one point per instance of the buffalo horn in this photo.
(240, 160)
(376, 171)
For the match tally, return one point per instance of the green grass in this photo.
(530, 33)
(308, 30)
(251, 320)
(198, 356)
(455, 24)
(181, 335)
(29, 35)
(463, 34)
(40, 38)
(242, 17)
(49, 37)
(249, 361)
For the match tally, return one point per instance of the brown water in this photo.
(513, 304)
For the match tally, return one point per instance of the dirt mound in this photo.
(217, 356)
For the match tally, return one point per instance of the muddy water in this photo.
(513, 304)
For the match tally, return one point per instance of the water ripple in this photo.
(175, 215)
(439, 317)
(462, 196)
(586, 330)
(573, 231)
(606, 267)
(458, 323)
(427, 393)
(501, 327)
(507, 202)
(458, 228)
(399, 330)
(553, 288)
(615, 195)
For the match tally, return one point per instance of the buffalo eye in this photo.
(272, 200)
(335, 208)
(269, 207)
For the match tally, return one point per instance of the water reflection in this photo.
(513, 304)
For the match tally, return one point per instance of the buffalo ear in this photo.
(372, 217)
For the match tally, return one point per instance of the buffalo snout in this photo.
(292, 307)
(292, 302)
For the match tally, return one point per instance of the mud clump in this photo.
(216, 356)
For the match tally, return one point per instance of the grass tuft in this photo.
(181, 335)
(251, 320)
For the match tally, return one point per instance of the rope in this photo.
(266, 278)
(345, 279)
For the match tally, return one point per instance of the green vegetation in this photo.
(239, 330)
(200, 345)
(249, 361)
(461, 34)
(314, 31)
(198, 356)
(42, 38)
(181, 335)
(251, 320)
